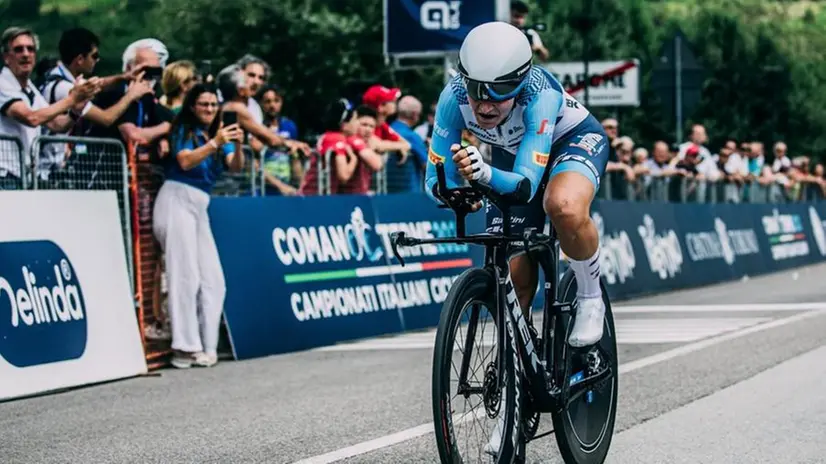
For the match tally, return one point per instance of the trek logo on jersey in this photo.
(587, 142)
(433, 158)
(545, 128)
(540, 159)
(42, 310)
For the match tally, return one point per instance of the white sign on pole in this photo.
(613, 83)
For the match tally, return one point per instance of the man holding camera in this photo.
(145, 120)
(519, 16)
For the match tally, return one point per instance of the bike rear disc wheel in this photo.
(585, 427)
(474, 286)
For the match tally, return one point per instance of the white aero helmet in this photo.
(494, 60)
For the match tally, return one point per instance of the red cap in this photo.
(692, 150)
(378, 95)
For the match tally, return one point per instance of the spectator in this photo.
(640, 158)
(425, 129)
(383, 101)
(623, 147)
(701, 168)
(79, 53)
(611, 128)
(757, 169)
(660, 163)
(367, 160)
(340, 123)
(407, 176)
(782, 164)
(23, 109)
(698, 138)
(200, 148)
(236, 91)
(519, 15)
(178, 78)
(732, 163)
(282, 168)
(145, 121)
(257, 72)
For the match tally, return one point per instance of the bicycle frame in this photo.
(547, 376)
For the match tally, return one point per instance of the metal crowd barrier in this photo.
(679, 189)
(85, 163)
(12, 158)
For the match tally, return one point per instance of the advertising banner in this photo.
(430, 26)
(429, 270)
(66, 312)
(309, 272)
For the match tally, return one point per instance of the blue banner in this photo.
(309, 272)
(421, 26)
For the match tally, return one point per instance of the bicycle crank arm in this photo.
(583, 386)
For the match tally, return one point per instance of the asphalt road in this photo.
(709, 381)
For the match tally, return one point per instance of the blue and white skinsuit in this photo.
(547, 132)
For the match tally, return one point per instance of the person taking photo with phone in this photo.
(201, 147)
(236, 92)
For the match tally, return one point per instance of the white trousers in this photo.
(193, 269)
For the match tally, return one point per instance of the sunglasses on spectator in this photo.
(20, 48)
(207, 104)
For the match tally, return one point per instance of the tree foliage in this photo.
(764, 61)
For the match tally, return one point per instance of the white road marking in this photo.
(424, 429)
(718, 308)
(629, 332)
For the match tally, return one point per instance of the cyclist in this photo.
(546, 148)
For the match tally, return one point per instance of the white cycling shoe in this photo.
(588, 324)
(495, 441)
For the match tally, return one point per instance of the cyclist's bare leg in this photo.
(567, 201)
(524, 275)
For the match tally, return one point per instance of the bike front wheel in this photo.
(585, 427)
(469, 407)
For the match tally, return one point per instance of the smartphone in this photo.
(152, 73)
(229, 118)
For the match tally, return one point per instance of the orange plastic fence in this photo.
(145, 181)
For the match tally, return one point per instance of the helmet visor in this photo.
(496, 91)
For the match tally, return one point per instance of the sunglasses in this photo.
(495, 91)
(21, 48)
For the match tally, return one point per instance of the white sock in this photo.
(587, 276)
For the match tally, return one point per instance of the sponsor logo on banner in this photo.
(665, 255)
(327, 243)
(786, 235)
(616, 257)
(42, 310)
(818, 229)
(358, 244)
(540, 159)
(721, 243)
(436, 15)
(433, 157)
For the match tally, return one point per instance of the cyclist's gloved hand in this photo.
(470, 164)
